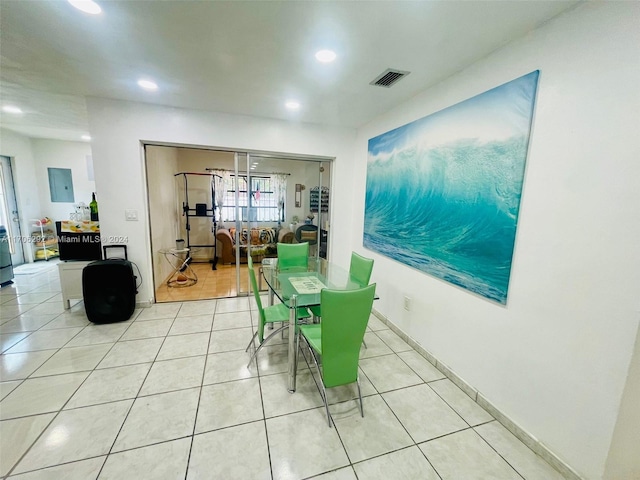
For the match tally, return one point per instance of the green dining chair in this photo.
(359, 272)
(293, 255)
(360, 269)
(273, 314)
(336, 341)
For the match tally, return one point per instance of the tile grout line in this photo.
(326, 399)
(264, 414)
(115, 438)
(523, 436)
(57, 413)
(259, 376)
(448, 404)
(497, 452)
(27, 450)
(402, 424)
(204, 371)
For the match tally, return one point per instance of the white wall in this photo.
(555, 359)
(62, 154)
(117, 129)
(18, 147)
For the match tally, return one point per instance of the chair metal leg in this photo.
(297, 334)
(326, 403)
(255, 352)
(360, 396)
(323, 391)
(251, 341)
(292, 350)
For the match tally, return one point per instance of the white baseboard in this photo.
(525, 437)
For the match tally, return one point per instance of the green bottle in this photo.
(93, 206)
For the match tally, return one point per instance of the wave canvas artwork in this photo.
(443, 192)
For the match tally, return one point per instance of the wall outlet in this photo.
(407, 303)
(131, 215)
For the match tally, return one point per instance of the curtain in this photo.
(218, 181)
(280, 190)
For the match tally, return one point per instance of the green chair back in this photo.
(359, 272)
(256, 294)
(293, 255)
(345, 314)
(360, 269)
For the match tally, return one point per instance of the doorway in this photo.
(233, 204)
(9, 215)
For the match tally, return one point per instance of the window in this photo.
(263, 200)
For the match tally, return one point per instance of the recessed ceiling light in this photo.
(326, 56)
(86, 6)
(86, 137)
(292, 105)
(11, 109)
(148, 84)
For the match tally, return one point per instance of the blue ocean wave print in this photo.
(449, 211)
(447, 204)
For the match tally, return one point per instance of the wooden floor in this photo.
(219, 283)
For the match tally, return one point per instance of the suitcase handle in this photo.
(122, 246)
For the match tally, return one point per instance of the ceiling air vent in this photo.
(389, 77)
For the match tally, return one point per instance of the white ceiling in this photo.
(242, 57)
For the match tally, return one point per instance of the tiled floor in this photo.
(168, 395)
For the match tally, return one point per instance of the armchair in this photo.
(265, 238)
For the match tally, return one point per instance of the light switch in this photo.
(131, 215)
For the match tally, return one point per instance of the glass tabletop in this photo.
(301, 288)
(306, 284)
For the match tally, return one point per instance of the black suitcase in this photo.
(109, 289)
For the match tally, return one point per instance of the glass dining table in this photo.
(301, 287)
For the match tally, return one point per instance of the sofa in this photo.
(264, 242)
